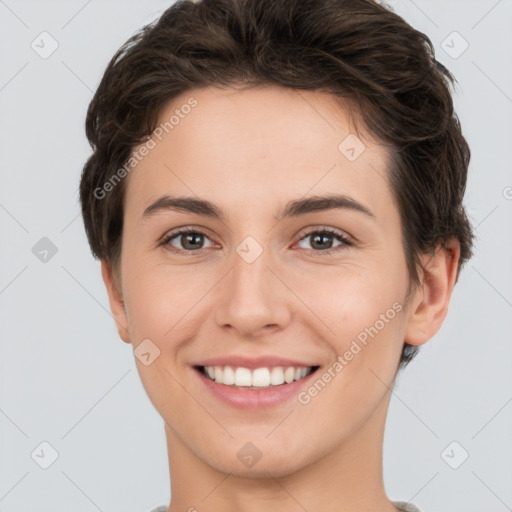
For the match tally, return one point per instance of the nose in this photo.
(252, 300)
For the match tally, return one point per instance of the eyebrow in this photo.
(294, 208)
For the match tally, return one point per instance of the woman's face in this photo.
(255, 285)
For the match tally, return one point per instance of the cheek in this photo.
(162, 302)
(366, 351)
(359, 313)
(350, 299)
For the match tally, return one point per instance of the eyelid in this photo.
(301, 234)
(174, 233)
(346, 241)
(330, 230)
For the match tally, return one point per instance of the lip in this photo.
(252, 363)
(256, 398)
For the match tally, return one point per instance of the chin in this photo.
(261, 469)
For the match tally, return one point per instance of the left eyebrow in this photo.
(294, 208)
(321, 203)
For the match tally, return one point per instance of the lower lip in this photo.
(254, 398)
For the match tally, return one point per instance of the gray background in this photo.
(67, 379)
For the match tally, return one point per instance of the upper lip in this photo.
(253, 362)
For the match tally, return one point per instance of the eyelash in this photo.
(323, 231)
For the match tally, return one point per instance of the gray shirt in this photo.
(401, 505)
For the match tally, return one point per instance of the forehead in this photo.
(258, 145)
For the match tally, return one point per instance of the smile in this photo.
(258, 378)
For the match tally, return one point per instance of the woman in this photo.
(275, 195)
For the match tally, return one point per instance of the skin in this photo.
(250, 152)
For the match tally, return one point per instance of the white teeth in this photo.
(228, 376)
(289, 374)
(258, 378)
(243, 377)
(277, 376)
(261, 377)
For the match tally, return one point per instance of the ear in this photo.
(116, 300)
(429, 305)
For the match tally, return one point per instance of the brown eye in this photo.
(188, 240)
(322, 240)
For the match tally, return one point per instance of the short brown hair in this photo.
(358, 50)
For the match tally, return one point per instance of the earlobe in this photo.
(430, 302)
(116, 300)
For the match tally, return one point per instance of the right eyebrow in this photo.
(184, 204)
